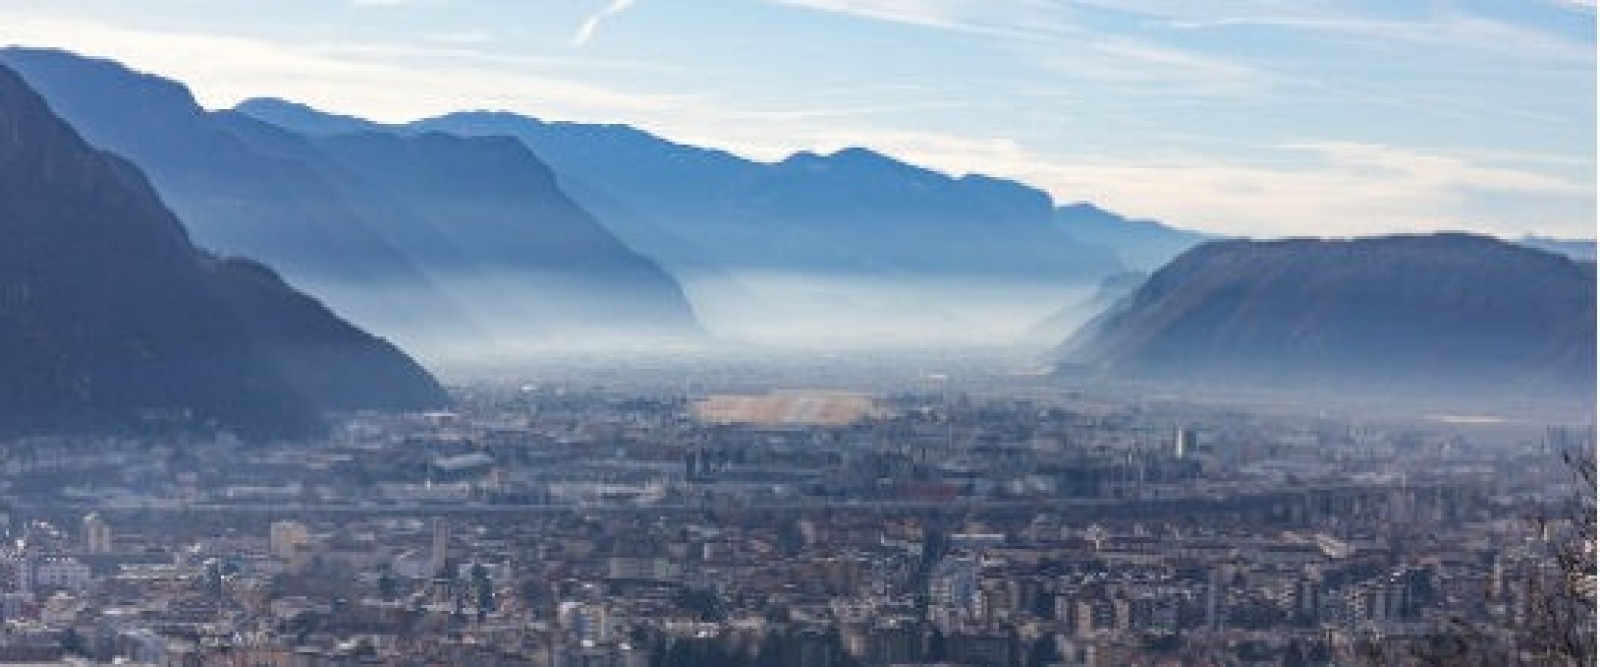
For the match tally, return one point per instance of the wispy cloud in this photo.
(1447, 27)
(1026, 18)
(1575, 5)
(1049, 35)
(1454, 33)
(465, 37)
(384, 82)
(826, 112)
(592, 24)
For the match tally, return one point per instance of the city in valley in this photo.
(888, 513)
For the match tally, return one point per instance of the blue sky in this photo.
(1259, 117)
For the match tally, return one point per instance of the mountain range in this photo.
(1433, 315)
(477, 234)
(450, 245)
(112, 319)
(847, 240)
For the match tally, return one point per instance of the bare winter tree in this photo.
(1562, 614)
(1555, 624)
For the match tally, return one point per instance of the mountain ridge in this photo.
(112, 316)
(851, 241)
(1447, 314)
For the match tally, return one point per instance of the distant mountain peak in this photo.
(1087, 207)
(863, 155)
(303, 118)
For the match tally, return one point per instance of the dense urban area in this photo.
(584, 517)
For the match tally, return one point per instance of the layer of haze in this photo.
(761, 310)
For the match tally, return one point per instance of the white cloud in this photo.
(594, 21)
(380, 82)
(1335, 189)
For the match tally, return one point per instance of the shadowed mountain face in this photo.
(449, 245)
(110, 315)
(486, 221)
(1440, 315)
(334, 365)
(236, 199)
(849, 240)
(503, 215)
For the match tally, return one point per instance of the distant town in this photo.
(577, 519)
(798, 333)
